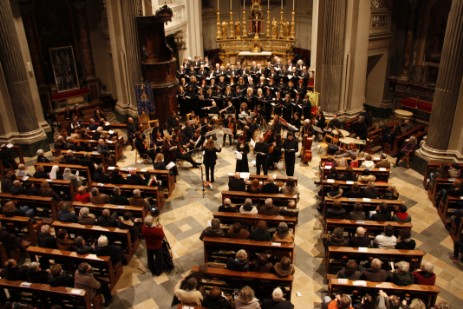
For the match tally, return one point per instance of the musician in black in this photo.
(261, 150)
(287, 108)
(291, 147)
(140, 145)
(210, 158)
(229, 123)
(181, 153)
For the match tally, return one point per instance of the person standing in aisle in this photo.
(153, 234)
(290, 146)
(210, 158)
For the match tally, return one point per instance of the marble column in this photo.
(448, 82)
(16, 75)
(332, 55)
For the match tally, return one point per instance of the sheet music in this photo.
(317, 129)
(227, 131)
(252, 143)
(239, 155)
(170, 165)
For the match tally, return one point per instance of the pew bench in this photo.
(259, 198)
(219, 249)
(116, 146)
(56, 185)
(94, 155)
(427, 293)
(439, 184)
(44, 206)
(375, 227)
(102, 266)
(237, 279)
(20, 226)
(280, 180)
(381, 174)
(335, 254)
(250, 220)
(167, 180)
(97, 209)
(127, 190)
(84, 171)
(90, 233)
(44, 295)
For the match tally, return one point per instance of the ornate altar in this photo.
(255, 37)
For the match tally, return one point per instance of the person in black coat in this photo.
(58, 277)
(277, 301)
(134, 179)
(236, 183)
(210, 158)
(100, 175)
(291, 147)
(117, 198)
(215, 300)
(103, 249)
(270, 186)
(261, 150)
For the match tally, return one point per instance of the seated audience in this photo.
(97, 197)
(268, 208)
(135, 179)
(237, 231)
(106, 219)
(100, 176)
(45, 239)
(260, 233)
(248, 208)
(390, 193)
(283, 234)
(35, 274)
(358, 213)
(350, 271)
(227, 206)
(277, 301)
(290, 188)
(366, 176)
(337, 238)
(383, 162)
(402, 275)
(126, 222)
(57, 277)
(270, 186)
(375, 273)
(360, 239)
(40, 172)
(85, 217)
(336, 211)
(370, 191)
(386, 240)
(236, 183)
(405, 241)
(254, 187)
(246, 299)
(41, 156)
(104, 249)
(261, 264)
(216, 300)
(383, 213)
(82, 195)
(82, 247)
(66, 214)
(401, 214)
(284, 268)
(240, 262)
(117, 198)
(63, 241)
(354, 192)
(425, 275)
(212, 231)
(84, 279)
(368, 163)
(340, 302)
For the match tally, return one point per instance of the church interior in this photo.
(374, 75)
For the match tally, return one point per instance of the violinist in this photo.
(275, 151)
(229, 109)
(230, 124)
(277, 124)
(250, 128)
(182, 153)
(172, 122)
(140, 145)
(261, 150)
(170, 152)
(212, 109)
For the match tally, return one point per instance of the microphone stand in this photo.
(202, 180)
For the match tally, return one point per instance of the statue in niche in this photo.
(238, 29)
(274, 28)
(257, 48)
(224, 29)
(256, 16)
(287, 32)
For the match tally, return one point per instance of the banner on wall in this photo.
(313, 98)
(144, 97)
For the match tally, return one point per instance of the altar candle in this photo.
(293, 4)
(268, 4)
(231, 5)
(282, 5)
(218, 7)
(244, 4)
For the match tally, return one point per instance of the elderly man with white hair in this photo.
(425, 275)
(227, 206)
(104, 249)
(85, 217)
(137, 200)
(41, 156)
(277, 301)
(248, 208)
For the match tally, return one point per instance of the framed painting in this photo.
(64, 68)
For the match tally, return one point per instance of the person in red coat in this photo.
(154, 234)
(425, 275)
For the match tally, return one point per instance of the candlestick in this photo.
(268, 4)
(244, 4)
(218, 7)
(293, 5)
(231, 5)
(281, 4)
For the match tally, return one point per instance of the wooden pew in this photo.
(83, 170)
(439, 184)
(102, 266)
(432, 167)
(146, 191)
(56, 185)
(3, 254)
(20, 226)
(427, 293)
(372, 226)
(381, 174)
(249, 220)
(419, 129)
(91, 233)
(116, 146)
(45, 295)
(94, 155)
(168, 180)
(324, 158)
(278, 198)
(368, 204)
(335, 254)
(456, 229)
(447, 207)
(238, 279)
(212, 246)
(97, 209)
(44, 202)
(280, 180)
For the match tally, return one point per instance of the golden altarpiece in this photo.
(256, 36)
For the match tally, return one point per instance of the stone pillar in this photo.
(195, 28)
(84, 38)
(448, 84)
(16, 76)
(332, 55)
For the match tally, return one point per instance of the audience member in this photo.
(358, 213)
(57, 277)
(277, 301)
(236, 183)
(216, 300)
(386, 240)
(82, 247)
(117, 198)
(261, 264)
(85, 217)
(375, 273)
(237, 231)
(260, 233)
(350, 271)
(405, 241)
(401, 214)
(402, 275)
(240, 262)
(84, 279)
(360, 239)
(227, 206)
(270, 187)
(246, 299)
(105, 249)
(66, 214)
(284, 268)
(97, 197)
(425, 275)
(212, 231)
(336, 211)
(283, 234)
(248, 208)
(269, 209)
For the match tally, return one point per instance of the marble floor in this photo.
(189, 208)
